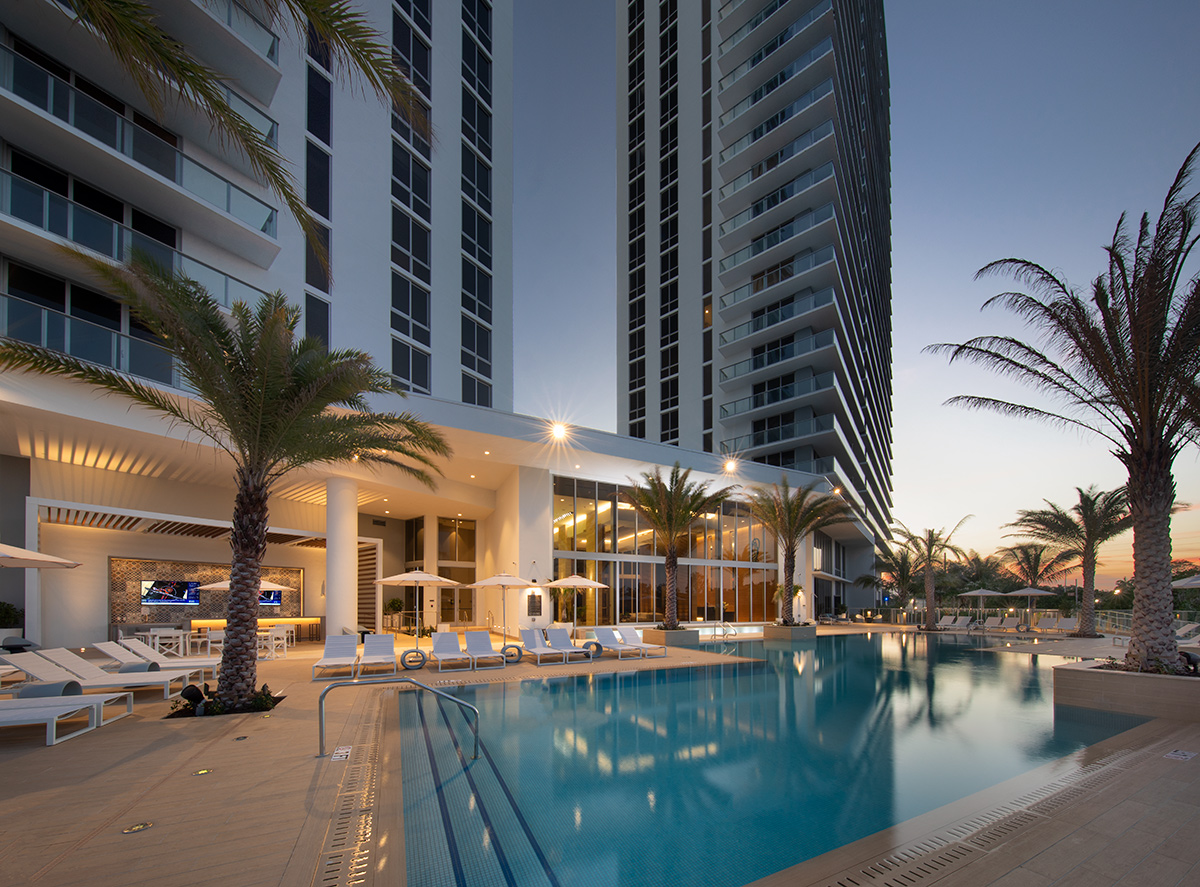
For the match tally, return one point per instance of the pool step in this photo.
(462, 825)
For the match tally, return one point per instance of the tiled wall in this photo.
(125, 576)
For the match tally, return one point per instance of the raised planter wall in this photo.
(789, 632)
(1148, 695)
(681, 637)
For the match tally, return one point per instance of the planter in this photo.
(679, 637)
(1149, 695)
(789, 632)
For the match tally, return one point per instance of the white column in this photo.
(341, 554)
(432, 596)
(33, 578)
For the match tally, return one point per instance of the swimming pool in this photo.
(722, 774)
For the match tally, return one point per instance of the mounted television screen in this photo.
(165, 592)
(270, 598)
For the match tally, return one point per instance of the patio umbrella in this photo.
(981, 593)
(575, 581)
(1029, 594)
(503, 581)
(263, 585)
(1189, 582)
(417, 578)
(11, 556)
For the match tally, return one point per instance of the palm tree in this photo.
(1095, 519)
(272, 402)
(1123, 364)
(928, 548)
(981, 571)
(791, 516)
(894, 572)
(669, 507)
(1036, 564)
(165, 71)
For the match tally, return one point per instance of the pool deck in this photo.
(270, 812)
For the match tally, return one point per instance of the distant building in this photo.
(754, 236)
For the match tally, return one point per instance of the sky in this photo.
(1019, 129)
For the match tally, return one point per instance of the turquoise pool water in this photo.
(715, 776)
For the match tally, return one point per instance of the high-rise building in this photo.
(754, 235)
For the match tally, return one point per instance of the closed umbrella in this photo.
(263, 585)
(575, 581)
(503, 581)
(418, 578)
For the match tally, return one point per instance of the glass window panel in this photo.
(564, 514)
(683, 598)
(447, 539)
(466, 540)
(702, 609)
(626, 528)
(728, 594)
(585, 515)
(729, 546)
(606, 511)
(628, 591)
(742, 609)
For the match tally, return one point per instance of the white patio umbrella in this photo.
(503, 581)
(981, 593)
(418, 578)
(263, 585)
(1188, 582)
(575, 581)
(11, 556)
(1029, 594)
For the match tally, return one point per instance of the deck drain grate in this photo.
(919, 864)
(350, 842)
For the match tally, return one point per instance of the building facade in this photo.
(754, 235)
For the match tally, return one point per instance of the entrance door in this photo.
(456, 606)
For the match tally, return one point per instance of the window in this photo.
(410, 309)
(410, 367)
(476, 391)
(317, 180)
(401, 128)
(410, 244)
(476, 291)
(670, 427)
(476, 235)
(476, 179)
(320, 120)
(411, 53)
(316, 269)
(476, 68)
(410, 180)
(476, 347)
(669, 393)
(477, 124)
(477, 17)
(318, 49)
(316, 318)
(418, 11)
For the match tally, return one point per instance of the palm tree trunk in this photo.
(1087, 613)
(1151, 492)
(239, 661)
(789, 572)
(930, 600)
(671, 621)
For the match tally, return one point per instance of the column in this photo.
(341, 554)
(429, 605)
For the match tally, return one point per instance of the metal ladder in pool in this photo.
(463, 827)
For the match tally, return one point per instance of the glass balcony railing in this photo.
(796, 225)
(776, 274)
(819, 382)
(775, 121)
(55, 214)
(244, 23)
(27, 322)
(796, 186)
(256, 118)
(42, 89)
(764, 51)
(784, 312)
(791, 431)
(803, 61)
(787, 152)
(777, 355)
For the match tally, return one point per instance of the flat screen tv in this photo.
(270, 598)
(170, 593)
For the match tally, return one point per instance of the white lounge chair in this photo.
(963, 623)
(121, 657)
(609, 641)
(990, 624)
(51, 666)
(447, 651)
(535, 645)
(378, 650)
(1010, 623)
(945, 622)
(630, 637)
(479, 646)
(560, 639)
(149, 654)
(52, 711)
(341, 651)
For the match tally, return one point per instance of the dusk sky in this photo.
(1019, 129)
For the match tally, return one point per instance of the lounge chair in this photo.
(560, 639)
(479, 646)
(378, 650)
(609, 641)
(1009, 623)
(62, 665)
(990, 624)
(447, 651)
(535, 645)
(1067, 624)
(945, 622)
(963, 623)
(1183, 631)
(149, 654)
(52, 711)
(341, 651)
(630, 637)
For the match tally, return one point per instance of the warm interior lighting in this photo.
(487, 452)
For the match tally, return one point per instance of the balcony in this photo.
(734, 50)
(779, 196)
(131, 160)
(90, 342)
(775, 356)
(771, 319)
(775, 123)
(36, 209)
(788, 270)
(794, 227)
(803, 63)
(793, 431)
(794, 391)
(230, 38)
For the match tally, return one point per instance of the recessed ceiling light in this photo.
(487, 452)
(472, 476)
(387, 512)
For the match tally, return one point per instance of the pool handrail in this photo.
(415, 683)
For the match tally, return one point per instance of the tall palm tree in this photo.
(981, 570)
(1123, 363)
(272, 402)
(1036, 564)
(791, 516)
(895, 572)
(929, 547)
(1095, 519)
(165, 70)
(669, 507)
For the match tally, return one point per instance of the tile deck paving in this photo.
(264, 815)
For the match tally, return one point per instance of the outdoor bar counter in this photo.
(314, 624)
